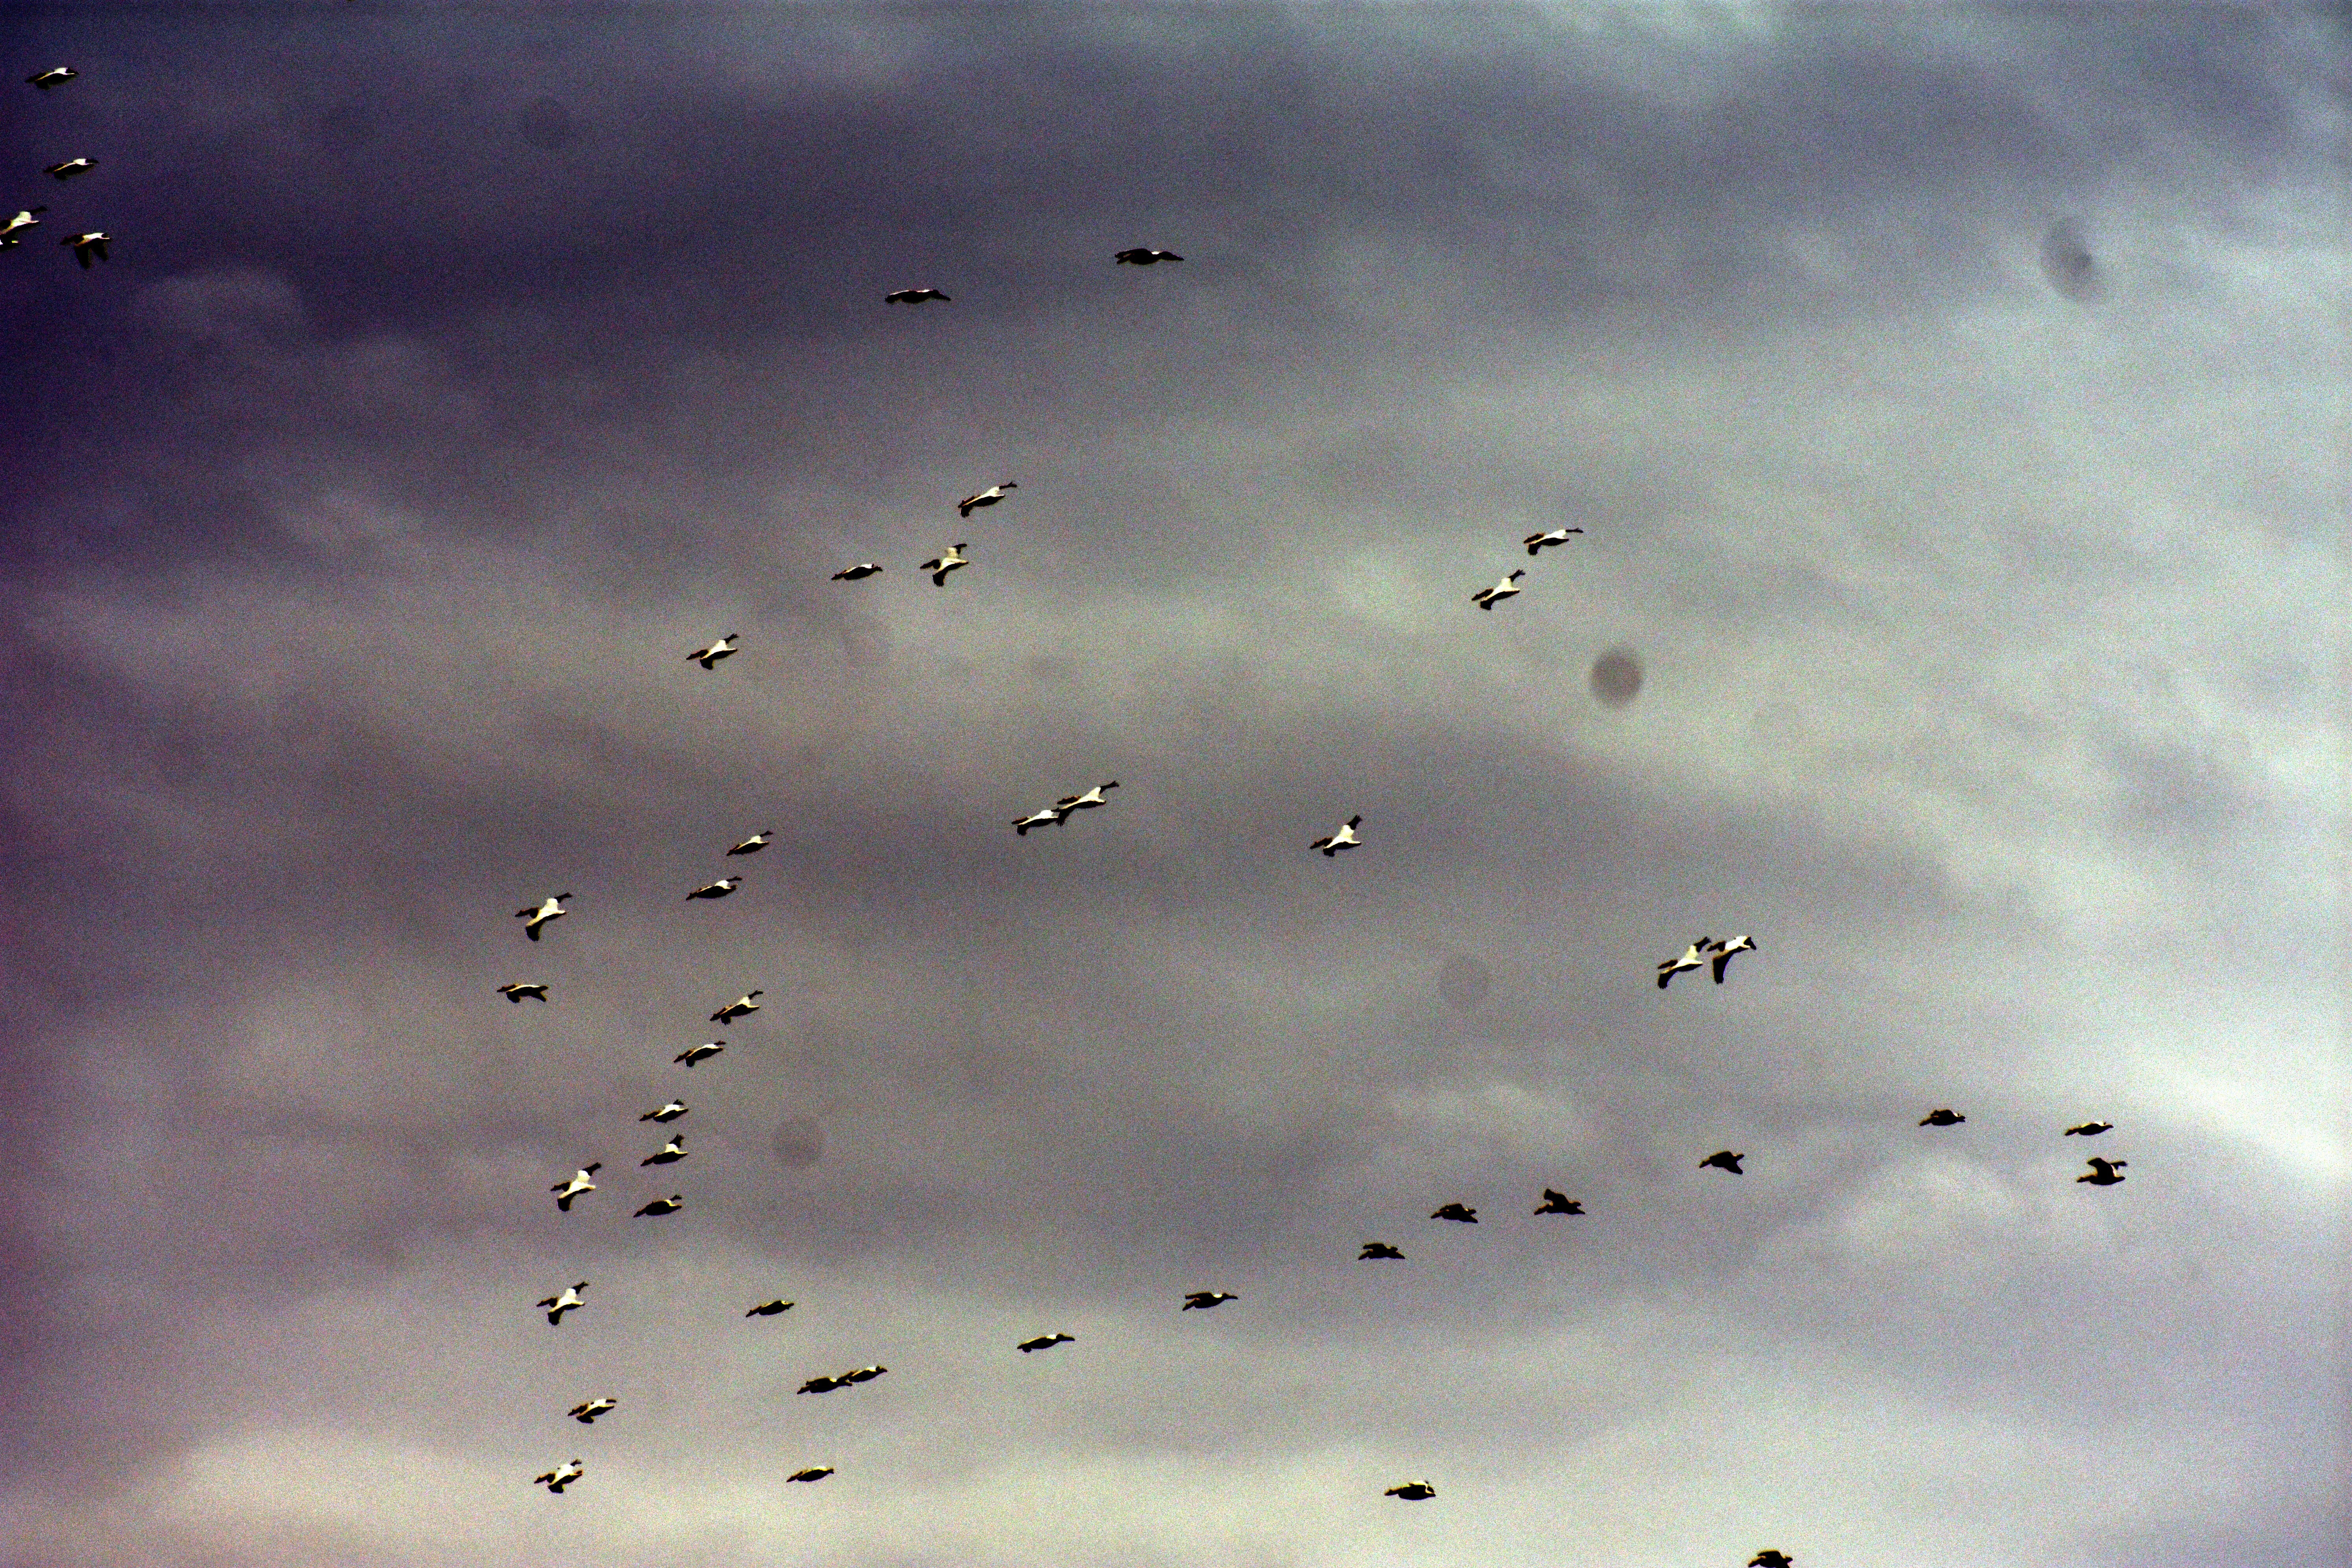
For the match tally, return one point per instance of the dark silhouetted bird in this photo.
(857, 573)
(1461, 1214)
(769, 1308)
(1046, 1342)
(670, 1112)
(1768, 1558)
(1204, 1299)
(1560, 1202)
(2102, 1172)
(670, 1154)
(1412, 1491)
(1724, 1159)
(915, 297)
(70, 167)
(518, 991)
(669, 1204)
(2090, 1128)
(1139, 255)
(56, 76)
(815, 1473)
(1942, 1117)
(1378, 1250)
(718, 889)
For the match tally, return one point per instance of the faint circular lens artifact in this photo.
(1617, 676)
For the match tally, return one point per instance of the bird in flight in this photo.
(24, 219)
(1560, 1202)
(1460, 1213)
(1535, 541)
(1140, 255)
(1373, 1249)
(670, 1154)
(701, 1052)
(814, 1473)
(718, 889)
(988, 497)
(1203, 1299)
(709, 657)
(2102, 1172)
(1046, 1342)
(1724, 1159)
(915, 297)
(86, 246)
(769, 1309)
(1768, 1558)
(1087, 801)
(753, 844)
(940, 568)
(1344, 839)
(669, 1204)
(1038, 818)
(670, 1112)
(566, 1190)
(737, 1008)
(1670, 967)
(1485, 598)
(56, 76)
(857, 573)
(549, 908)
(586, 1414)
(1722, 951)
(563, 1301)
(2089, 1129)
(1412, 1491)
(517, 991)
(1942, 1117)
(70, 167)
(555, 1480)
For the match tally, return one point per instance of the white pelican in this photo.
(701, 1052)
(586, 1412)
(1485, 598)
(670, 1112)
(821, 1385)
(1412, 1491)
(1046, 1341)
(1724, 1159)
(753, 844)
(915, 297)
(55, 75)
(566, 1190)
(864, 1374)
(517, 991)
(669, 1204)
(1092, 798)
(769, 1309)
(1535, 541)
(86, 246)
(814, 1473)
(940, 568)
(549, 908)
(1344, 839)
(1204, 1299)
(557, 1480)
(2089, 1129)
(1722, 951)
(1670, 967)
(988, 497)
(738, 1007)
(24, 219)
(1038, 818)
(857, 573)
(709, 657)
(670, 1154)
(1141, 256)
(718, 889)
(2102, 1172)
(70, 167)
(563, 1301)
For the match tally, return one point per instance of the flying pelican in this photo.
(55, 75)
(940, 568)
(1942, 1117)
(2089, 1129)
(1670, 967)
(1344, 839)
(753, 844)
(915, 297)
(1722, 951)
(1092, 798)
(1724, 1159)
(670, 1152)
(1412, 1491)
(718, 889)
(709, 657)
(1560, 1202)
(1768, 1558)
(814, 1473)
(1535, 541)
(1378, 1250)
(1485, 598)
(1204, 1299)
(701, 1052)
(586, 1414)
(2102, 1172)
(566, 1190)
(1460, 1213)
(821, 1385)
(86, 246)
(557, 1480)
(857, 573)
(24, 219)
(737, 1008)
(1046, 1342)
(988, 497)
(1141, 256)
(1038, 818)
(769, 1309)
(517, 991)
(670, 1112)
(669, 1204)
(70, 167)
(549, 910)
(864, 1374)
(563, 1301)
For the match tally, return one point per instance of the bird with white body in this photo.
(70, 167)
(587, 1411)
(857, 573)
(914, 297)
(670, 1112)
(669, 1154)
(738, 1007)
(718, 889)
(12, 232)
(555, 1480)
(88, 245)
(1535, 541)
(952, 561)
(566, 1190)
(563, 1301)
(1485, 598)
(709, 657)
(517, 991)
(539, 914)
(988, 497)
(753, 844)
(1344, 839)
(701, 1052)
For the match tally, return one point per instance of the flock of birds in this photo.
(1701, 953)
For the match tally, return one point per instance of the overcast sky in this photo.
(1953, 402)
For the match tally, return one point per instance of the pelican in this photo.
(1560, 1202)
(915, 297)
(769, 1309)
(1460, 1213)
(753, 844)
(54, 77)
(821, 1385)
(737, 1008)
(86, 246)
(814, 1473)
(24, 219)
(701, 1052)
(1485, 598)
(718, 889)
(2089, 1129)
(70, 167)
(586, 1414)
(517, 991)
(551, 909)
(1141, 256)
(1722, 951)
(1092, 798)
(669, 1204)
(1768, 1558)
(1344, 839)
(1204, 1299)
(709, 657)
(566, 1190)
(940, 568)
(1535, 541)
(988, 497)
(1412, 1491)
(670, 1152)
(857, 573)
(1038, 818)
(864, 1374)
(557, 1480)
(1724, 1159)
(1942, 1117)
(670, 1112)
(1046, 1341)
(1670, 967)
(1378, 1250)
(2102, 1172)
(563, 1301)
